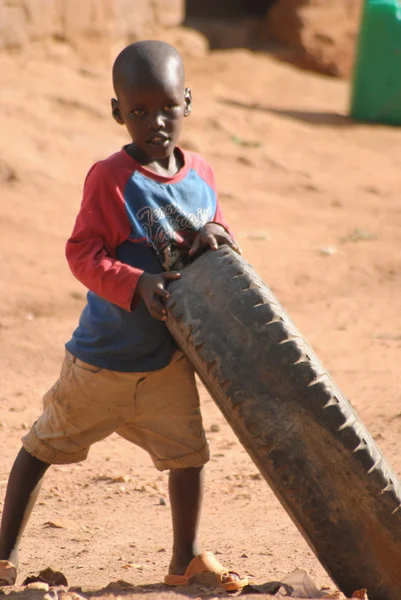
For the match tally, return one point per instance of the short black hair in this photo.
(146, 60)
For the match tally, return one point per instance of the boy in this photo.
(145, 211)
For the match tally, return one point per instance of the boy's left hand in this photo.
(213, 235)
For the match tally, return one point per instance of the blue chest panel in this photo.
(168, 215)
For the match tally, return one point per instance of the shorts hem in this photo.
(51, 456)
(187, 461)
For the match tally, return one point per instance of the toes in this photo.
(230, 576)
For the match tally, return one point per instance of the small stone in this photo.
(244, 555)
(71, 596)
(162, 502)
(214, 428)
(54, 577)
(48, 576)
(328, 250)
(38, 585)
(120, 584)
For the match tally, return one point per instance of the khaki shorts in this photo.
(158, 411)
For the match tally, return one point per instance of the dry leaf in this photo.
(55, 524)
(361, 594)
(121, 479)
(271, 588)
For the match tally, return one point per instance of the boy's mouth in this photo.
(159, 139)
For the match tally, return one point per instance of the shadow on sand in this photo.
(311, 117)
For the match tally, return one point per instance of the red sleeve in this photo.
(220, 220)
(101, 226)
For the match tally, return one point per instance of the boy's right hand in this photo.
(151, 289)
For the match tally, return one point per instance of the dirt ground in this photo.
(314, 201)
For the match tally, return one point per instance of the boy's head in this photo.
(151, 100)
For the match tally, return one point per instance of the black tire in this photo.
(298, 428)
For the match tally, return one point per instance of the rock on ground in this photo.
(318, 35)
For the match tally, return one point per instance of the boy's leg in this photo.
(22, 491)
(166, 422)
(84, 395)
(186, 491)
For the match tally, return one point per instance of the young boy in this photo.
(146, 211)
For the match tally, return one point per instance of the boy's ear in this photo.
(188, 102)
(115, 111)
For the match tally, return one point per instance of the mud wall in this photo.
(92, 26)
(316, 34)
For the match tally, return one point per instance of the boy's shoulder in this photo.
(195, 159)
(199, 164)
(111, 163)
(112, 170)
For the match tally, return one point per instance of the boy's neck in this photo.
(166, 167)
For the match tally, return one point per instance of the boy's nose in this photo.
(157, 122)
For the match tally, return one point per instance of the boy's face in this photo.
(152, 112)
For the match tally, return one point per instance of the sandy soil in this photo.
(314, 200)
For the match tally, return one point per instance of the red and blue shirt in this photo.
(132, 220)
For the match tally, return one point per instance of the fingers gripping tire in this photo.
(298, 428)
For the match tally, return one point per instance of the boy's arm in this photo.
(100, 227)
(216, 232)
(219, 218)
(218, 215)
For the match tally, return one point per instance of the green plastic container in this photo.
(376, 89)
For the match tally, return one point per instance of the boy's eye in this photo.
(170, 107)
(138, 112)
